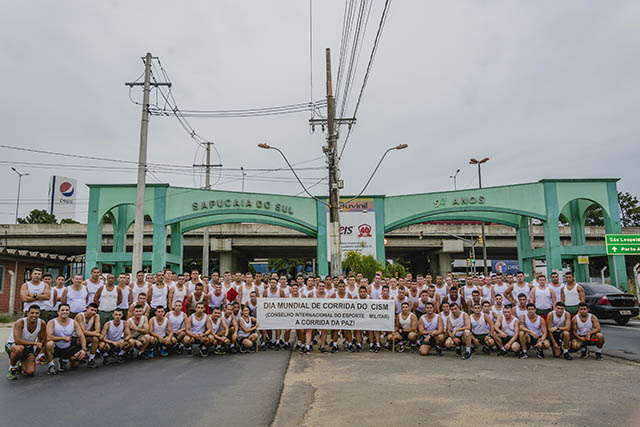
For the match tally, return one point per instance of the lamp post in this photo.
(474, 161)
(454, 176)
(20, 175)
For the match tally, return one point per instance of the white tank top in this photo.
(479, 326)
(48, 304)
(306, 291)
(486, 293)
(375, 293)
(517, 290)
(445, 318)
(430, 325)
(399, 303)
(441, 291)
(132, 321)
(584, 327)
(26, 335)
(216, 300)
(571, 296)
(195, 302)
(198, 326)
(405, 323)
(229, 319)
(35, 290)
(137, 290)
(275, 294)
(178, 294)
(88, 326)
(457, 301)
(543, 299)
(124, 304)
(534, 326)
(159, 296)
(92, 288)
(247, 324)
(352, 294)
(63, 331)
(500, 290)
(558, 322)
(422, 306)
(246, 293)
(217, 326)
(114, 333)
(520, 311)
(177, 322)
(558, 291)
(108, 299)
(160, 328)
(191, 286)
(57, 292)
(252, 308)
(495, 313)
(468, 292)
(456, 323)
(509, 328)
(77, 300)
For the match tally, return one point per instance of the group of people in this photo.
(157, 314)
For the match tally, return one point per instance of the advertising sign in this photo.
(357, 227)
(62, 196)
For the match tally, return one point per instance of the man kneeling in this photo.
(27, 338)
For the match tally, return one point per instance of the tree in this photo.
(38, 216)
(287, 265)
(365, 264)
(68, 221)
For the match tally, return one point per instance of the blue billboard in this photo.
(504, 266)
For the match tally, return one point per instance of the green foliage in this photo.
(4, 318)
(629, 212)
(287, 265)
(391, 270)
(365, 264)
(68, 221)
(38, 216)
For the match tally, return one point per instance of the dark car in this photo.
(609, 302)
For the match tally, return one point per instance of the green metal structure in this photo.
(175, 210)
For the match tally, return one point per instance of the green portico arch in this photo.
(175, 210)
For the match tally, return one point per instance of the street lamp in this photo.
(454, 176)
(20, 175)
(474, 161)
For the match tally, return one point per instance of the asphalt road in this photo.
(241, 389)
(622, 341)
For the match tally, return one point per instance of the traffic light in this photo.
(468, 262)
(420, 236)
(480, 239)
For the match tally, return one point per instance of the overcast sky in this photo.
(545, 89)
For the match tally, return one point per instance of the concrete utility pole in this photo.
(138, 226)
(20, 175)
(334, 191)
(207, 185)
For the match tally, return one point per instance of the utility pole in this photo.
(473, 161)
(138, 226)
(207, 185)
(243, 175)
(20, 175)
(334, 191)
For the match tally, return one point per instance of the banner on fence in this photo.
(324, 313)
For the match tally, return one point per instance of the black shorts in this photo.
(405, 336)
(428, 340)
(66, 353)
(557, 336)
(507, 339)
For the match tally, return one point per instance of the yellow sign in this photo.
(583, 260)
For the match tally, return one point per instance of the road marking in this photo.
(626, 328)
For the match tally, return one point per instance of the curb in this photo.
(624, 355)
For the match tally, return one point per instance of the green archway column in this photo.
(617, 264)
(380, 249)
(321, 240)
(94, 232)
(524, 247)
(175, 255)
(553, 254)
(159, 257)
(120, 237)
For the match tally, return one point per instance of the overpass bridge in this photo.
(234, 245)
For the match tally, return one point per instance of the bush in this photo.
(4, 318)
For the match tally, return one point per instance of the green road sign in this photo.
(623, 244)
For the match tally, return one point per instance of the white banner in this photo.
(325, 313)
(62, 197)
(357, 227)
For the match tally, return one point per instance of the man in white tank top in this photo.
(197, 296)
(406, 328)
(178, 321)
(55, 298)
(232, 326)
(556, 286)
(115, 338)
(482, 327)
(161, 333)
(125, 292)
(140, 286)
(139, 328)
(65, 341)
(27, 339)
(89, 322)
(533, 332)
(559, 326)
(76, 295)
(585, 328)
(220, 332)
(431, 331)
(35, 291)
(179, 291)
(520, 287)
(108, 298)
(271, 338)
(141, 301)
(506, 332)
(543, 297)
(158, 295)
(573, 293)
(198, 331)
(94, 283)
(459, 332)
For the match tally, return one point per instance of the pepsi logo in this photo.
(66, 189)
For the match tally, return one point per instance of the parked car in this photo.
(609, 302)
